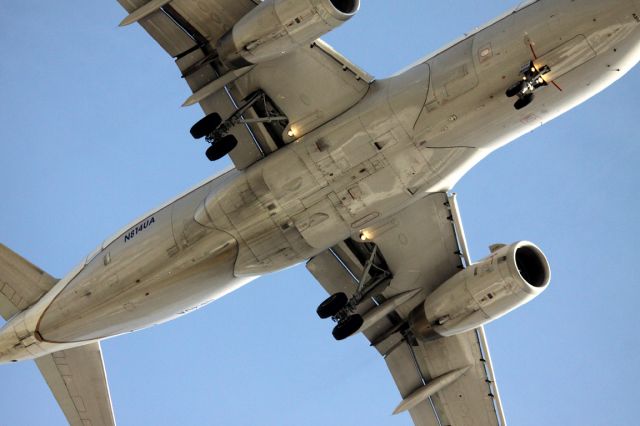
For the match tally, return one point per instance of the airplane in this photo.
(576, 61)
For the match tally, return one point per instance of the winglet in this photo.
(143, 12)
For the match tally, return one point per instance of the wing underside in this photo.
(76, 376)
(306, 87)
(78, 381)
(419, 247)
(21, 283)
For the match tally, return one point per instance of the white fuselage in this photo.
(413, 134)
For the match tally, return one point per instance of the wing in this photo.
(303, 89)
(76, 376)
(419, 248)
(78, 381)
(21, 283)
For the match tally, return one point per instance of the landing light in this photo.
(365, 236)
(291, 133)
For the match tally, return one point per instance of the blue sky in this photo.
(92, 135)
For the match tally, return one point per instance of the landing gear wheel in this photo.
(206, 125)
(515, 89)
(221, 147)
(332, 305)
(524, 101)
(348, 327)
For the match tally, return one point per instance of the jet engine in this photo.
(510, 277)
(276, 27)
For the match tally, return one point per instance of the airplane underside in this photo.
(330, 188)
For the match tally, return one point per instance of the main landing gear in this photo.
(343, 309)
(531, 80)
(337, 307)
(209, 128)
(216, 131)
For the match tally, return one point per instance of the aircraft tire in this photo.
(524, 101)
(221, 147)
(348, 327)
(206, 125)
(332, 305)
(515, 89)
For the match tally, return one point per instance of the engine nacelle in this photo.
(510, 277)
(276, 27)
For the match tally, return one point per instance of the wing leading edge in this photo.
(447, 381)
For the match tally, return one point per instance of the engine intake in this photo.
(510, 277)
(276, 27)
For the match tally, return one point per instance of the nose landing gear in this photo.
(531, 80)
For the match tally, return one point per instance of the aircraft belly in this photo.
(138, 296)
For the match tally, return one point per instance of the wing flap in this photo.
(163, 30)
(408, 380)
(468, 400)
(213, 18)
(78, 381)
(328, 270)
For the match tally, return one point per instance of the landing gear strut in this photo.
(215, 130)
(531, 80)
(344, 309)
